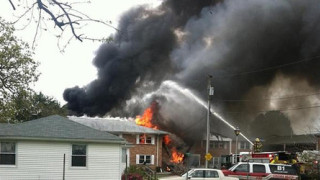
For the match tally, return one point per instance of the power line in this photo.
(269, 68)
(288, 109)
(262, 99)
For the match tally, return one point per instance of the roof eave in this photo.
(63, 139)
(136, 132)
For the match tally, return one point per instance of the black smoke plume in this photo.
(139, 52)
(253, 49)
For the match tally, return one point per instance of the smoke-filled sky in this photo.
(263, 55)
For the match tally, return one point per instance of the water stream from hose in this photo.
(189, 93)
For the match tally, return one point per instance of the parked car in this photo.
(245, 170)
(202, 174)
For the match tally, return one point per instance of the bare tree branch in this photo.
(69, 20)
(63, 15)
(42, 6)
(37, 29)
(23, 14)
(13, 7)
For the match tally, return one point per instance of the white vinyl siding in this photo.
(44, 160)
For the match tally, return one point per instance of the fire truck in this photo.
(278, 157)
(264, 165)
(262, 171)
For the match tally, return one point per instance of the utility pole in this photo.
(237, 132)
(210, 93)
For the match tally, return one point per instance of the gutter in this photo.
(65, 140)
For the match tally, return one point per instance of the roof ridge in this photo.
(100, 118)
(56, 126)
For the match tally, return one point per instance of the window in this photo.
(79, 155)
(124, 155)
(244, 145)
(194, 160)
(216, 144)
(212, 174)
(223, 145)
(242, 168)
(257, 168)
(144, 159)
(198, 173)
(211, 144)
(7, 153)
(145, 139)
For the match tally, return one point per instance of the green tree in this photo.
(29, 105)
(18, 102)
(17, 71)
(46, 106)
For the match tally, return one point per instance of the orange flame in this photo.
(166, 139)
(146, 119)
(176, 157)
(168, 169)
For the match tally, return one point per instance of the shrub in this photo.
(131, 176)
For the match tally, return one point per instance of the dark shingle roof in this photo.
(114, 125)
(56, 128)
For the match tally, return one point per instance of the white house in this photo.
(55, 147)
(145, 143)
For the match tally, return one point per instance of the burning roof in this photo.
(115, 125)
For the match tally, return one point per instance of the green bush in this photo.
(135, 172)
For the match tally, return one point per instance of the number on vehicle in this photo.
(280, 168)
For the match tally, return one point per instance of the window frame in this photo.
(124, 155)
(246, 170)
(244, 145)
(211, 144)
(254, 168)
(148, 139)
(222, 145)
(216, 144)
(211, 172)
(196, 159)
(138, 156)
(72, 156)
(10, 153)
(199, 173)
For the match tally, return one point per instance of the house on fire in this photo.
(146, 143)
(55, 147)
